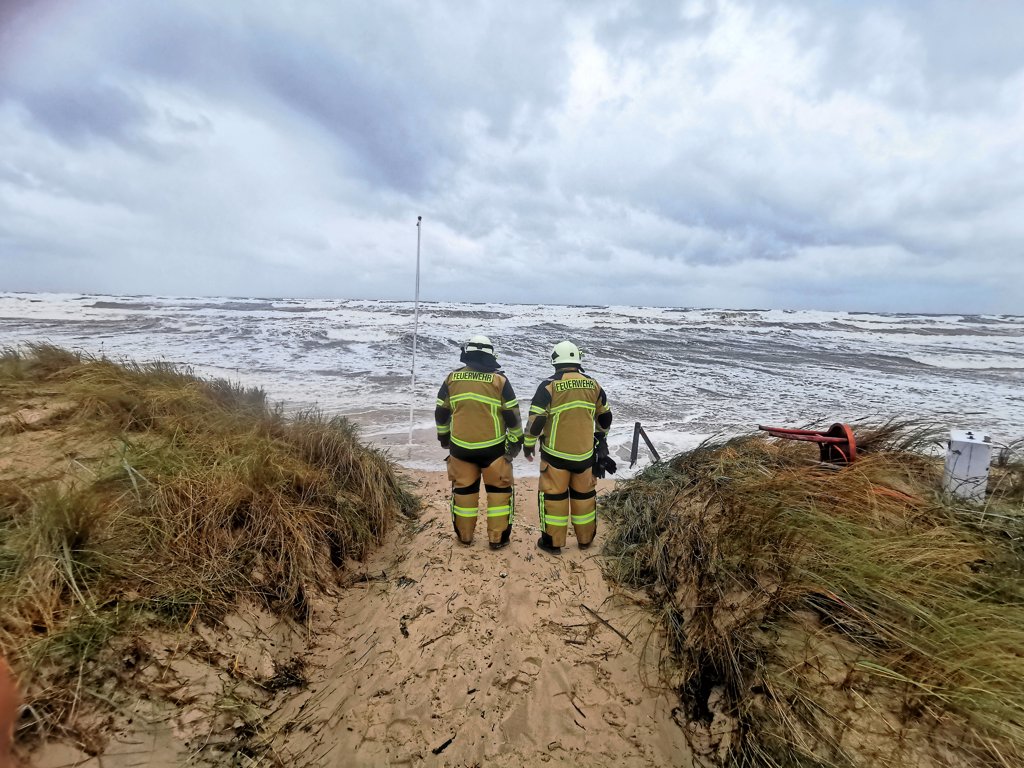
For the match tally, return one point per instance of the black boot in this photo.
(545, 543)
(505, 537)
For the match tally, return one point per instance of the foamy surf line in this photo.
(684, 373)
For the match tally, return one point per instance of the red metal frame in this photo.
(836, 444)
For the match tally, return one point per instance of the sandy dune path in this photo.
(459, 656)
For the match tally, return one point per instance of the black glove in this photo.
(603, 463)
(445, 440)
(512, 448)
(528, 451)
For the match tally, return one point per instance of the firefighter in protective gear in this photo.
(568, 416)
(477, 418)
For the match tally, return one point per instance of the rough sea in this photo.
(685, 374)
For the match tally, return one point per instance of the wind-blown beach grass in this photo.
(823, 616)
(134, 496)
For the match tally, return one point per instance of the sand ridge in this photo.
(459, 656)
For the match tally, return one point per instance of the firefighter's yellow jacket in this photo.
(478, 412)
(567, 412)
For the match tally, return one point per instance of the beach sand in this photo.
(483, 657)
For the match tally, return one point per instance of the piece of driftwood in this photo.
(425, 643)
(438, 750)
(598, 616)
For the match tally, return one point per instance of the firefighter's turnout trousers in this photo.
(497, 476)
(565, 495)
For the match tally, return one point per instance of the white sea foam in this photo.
(684, 373)
(970, 361)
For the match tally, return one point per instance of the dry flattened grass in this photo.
(204, 497)
(824, 616)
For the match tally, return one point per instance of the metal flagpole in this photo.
(415, 333)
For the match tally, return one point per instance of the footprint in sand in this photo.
(614, 717)
(530, 667)
(401, 731)
(517, 685)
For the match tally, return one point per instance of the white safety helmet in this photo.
(479, 344)
(566, 352)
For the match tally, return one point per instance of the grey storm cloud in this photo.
(85, 111)
(702, 152)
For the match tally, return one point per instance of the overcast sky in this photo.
(834, 155)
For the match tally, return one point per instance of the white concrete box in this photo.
(968, 455)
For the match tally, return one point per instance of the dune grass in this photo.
(134, 495)
(822, 616)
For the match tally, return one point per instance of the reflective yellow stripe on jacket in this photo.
(571, 402)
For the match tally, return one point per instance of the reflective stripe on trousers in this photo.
(465, 477)
(562, 496)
